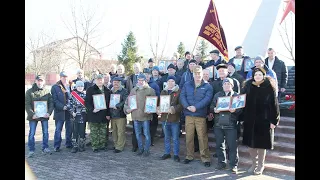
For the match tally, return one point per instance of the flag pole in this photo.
(195, 45)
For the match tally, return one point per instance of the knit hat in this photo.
(156, 68)
(232, 64)
(171, 77)
(142, 76)
(229, 80)
(193, 61)
(258, 58)
(79, 84)
(171, 66)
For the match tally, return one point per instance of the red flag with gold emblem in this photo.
(212, 30)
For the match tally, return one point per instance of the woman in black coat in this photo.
(261, 116)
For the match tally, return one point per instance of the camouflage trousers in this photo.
(98, 133)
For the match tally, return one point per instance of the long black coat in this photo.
(98, 117)
(261, 109)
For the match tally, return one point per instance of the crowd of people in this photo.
(193, 100)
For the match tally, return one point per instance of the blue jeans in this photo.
(32, 132)
(57, 133)
(138, 125)
(171, 129)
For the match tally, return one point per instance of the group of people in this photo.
(193, 100)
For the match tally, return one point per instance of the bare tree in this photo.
(288, 39)
(84, 28)
(43, 57)
(155, 49)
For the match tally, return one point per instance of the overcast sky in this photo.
(183, 18)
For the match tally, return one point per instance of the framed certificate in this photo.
(164, 103)
(238, 101)
(40, 108)
(151, 104)
(114, 100)
(132, 102)
(99, 101)
(223, 103)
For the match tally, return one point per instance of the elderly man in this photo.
(216, 59)
(38, 92)
(61, 95)
(120, 74)
(240, 55)
(223, 73)
(133, 78)
(113, 70)
(80, 77)
(280, 68)
(234, 74)
(141, 119)
(171, 72)
(195, 96)
(98, 118)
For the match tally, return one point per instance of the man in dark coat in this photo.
(187, 60)
(234, 74)
(38, 92)
(171, 72)
(240, 55)
(61, 95)
(80, 77)
(98, 118)
(280, 68)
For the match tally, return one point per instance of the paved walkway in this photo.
(125, 165)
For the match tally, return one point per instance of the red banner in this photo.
(77, 97)
(212, 30)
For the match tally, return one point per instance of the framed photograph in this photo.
(215, 72)
(151, 104)
(248, 64)
(211, 71)
(114, 100)
(164, 85)
(40, 108)
(132, 102)
(164, 103)
(99, 101)
(239, 101)
(238, 63)
(162, 65)
(223, 103)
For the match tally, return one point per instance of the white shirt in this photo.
(270, 63)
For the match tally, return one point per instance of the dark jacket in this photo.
(186, 64)
(238, 77)
(36, 94)
(165, 76)
(118, 113)
(180, 72)
(199, 97)
(60, 99)
(129, 83)
(261, 109)
(241, 72)
(213, 63)
(280, 68)
(154, 86)
(75, 106)
(175, 105)
(186, 77)
(233, 120)
(217, 85)
(98, 117)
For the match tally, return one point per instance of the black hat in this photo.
(222, 66)
(258, 69)
(39, 77)
(117, 79)
(146, 70)
(171, 66)
(232, 64)
(215, 51)
(187, 53)
(171, 77)
(193, 61)
(238, 47)
(150, 60)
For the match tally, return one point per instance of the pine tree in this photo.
(181, 50)
(202, 49)
(129, 54)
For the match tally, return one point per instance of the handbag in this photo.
(224, 119)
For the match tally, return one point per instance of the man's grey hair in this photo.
(122, 67)
(79, 70)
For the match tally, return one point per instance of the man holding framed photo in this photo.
(98, 118)
(38, 93)
(118, 117)
(195, 96)
(141, 119)
(225, 127)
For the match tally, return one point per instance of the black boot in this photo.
(75, 146)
